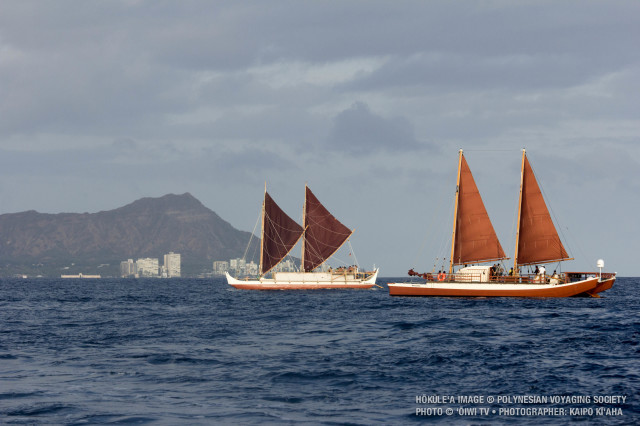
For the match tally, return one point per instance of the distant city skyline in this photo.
(239, 266)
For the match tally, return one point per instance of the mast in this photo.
(264, 198)
(455, 214)
(515, 255)
(304, 226)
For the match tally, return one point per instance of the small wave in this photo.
(404, 325)
(16, 395)
(115, 419)
(429, 359)
(185, 380)
(160, 359)
(8, 356)
(317, 332)
(39, 409)
(287, 399)
(296, 376)
(196, 361)
(133, 420)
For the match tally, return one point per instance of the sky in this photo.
(367, 102)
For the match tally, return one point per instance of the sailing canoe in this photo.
(321, 234)
(474, 241)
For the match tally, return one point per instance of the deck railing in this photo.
(579, 276)
(514, 279)
(479, 277)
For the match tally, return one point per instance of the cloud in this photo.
(446, 71)
(357, 131)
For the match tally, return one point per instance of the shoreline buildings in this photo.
(240, 267)
(149, 267)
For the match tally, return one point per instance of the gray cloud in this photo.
(359, 131)
(442, 71)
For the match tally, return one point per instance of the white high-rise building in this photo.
(128, 269)
(252, 268)
(285, 266)
(220, 267)
(238, 266)
(147, 267)
(172, 264)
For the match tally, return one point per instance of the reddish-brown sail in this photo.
(538, 240)
(323, 235)
(475, 240)
(279, 234)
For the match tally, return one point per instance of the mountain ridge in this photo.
(147, 227)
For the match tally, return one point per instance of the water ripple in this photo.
(197, 352)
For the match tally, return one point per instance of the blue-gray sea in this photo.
(184, 351)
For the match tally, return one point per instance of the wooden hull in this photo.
(602, 286)
(492, 289)
(305, 281)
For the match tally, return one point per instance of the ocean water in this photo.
(199, 352)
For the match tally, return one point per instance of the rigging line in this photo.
(342, 261)
(319, 243)
(577, 242)
(312, 212)
(337, 259)
(315, 239)
(311, 215)
(310, 249)
(280, 242)
(244, 256)
(549, 207)
(431, 228)
(289, 257)
(255, 255)
(320, 205)
(281, 227)
(492, 150)
(445, 237)
(318, 225)
(316, 246)
(314, 252)
(353, 253)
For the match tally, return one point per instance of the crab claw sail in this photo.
(474, 239)
(538, 240)
(324, 234)
(279, 234)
